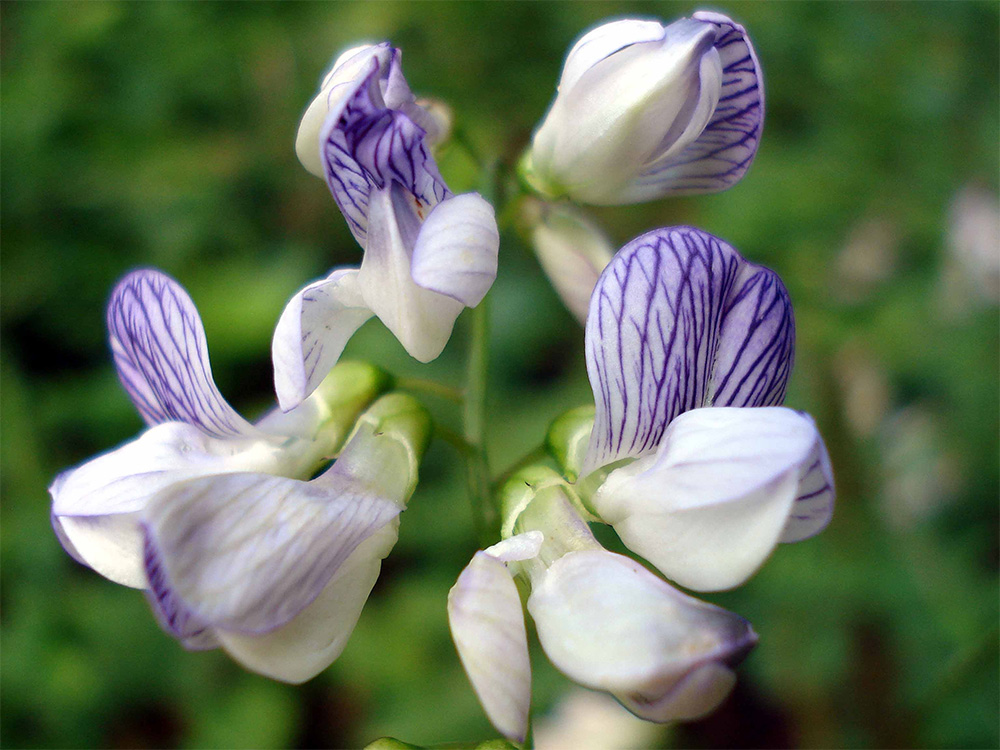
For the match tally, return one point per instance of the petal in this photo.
(487, 624)
(697, 694)
(248, 552)
(111, 545)
(96, 506)
(456, 249)
(813, 506)
(422, 320)
(367, 146)
(602, 42)
(159, 348)
(680, 320)
(517, 548)
(312, 332)
(351, 66)
(721, 155)
(315, 637)
(609, 624)
(712, 504)
(600, 134)
(572, 251)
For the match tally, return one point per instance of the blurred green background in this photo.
(161, 134)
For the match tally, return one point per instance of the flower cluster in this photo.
(265, 539)
(687, 453)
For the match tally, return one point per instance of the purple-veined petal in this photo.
(348, 72)
(312, 332)
(600, 134)
(171, 613)
(711, 505)
(602, 42)
(366, 147)
(610, 624)
(455, 253)
(97, 506)
(248, 552)
(487, 625)
(422, 320)
(159, 349)
(813, 507)
(721, 155)
(316, 636)
(679, 320)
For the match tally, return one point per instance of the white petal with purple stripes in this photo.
(159, 348)
(722, 152)
(679, 320)
(312, 332)
(248, 552)
(711, 505)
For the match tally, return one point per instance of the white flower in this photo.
(212, 515)
(428, 255)
(602, 619)
(645, 110)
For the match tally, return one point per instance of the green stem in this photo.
(474, 418)
(455, 440)
(431, 388)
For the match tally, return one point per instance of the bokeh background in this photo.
(161, 134)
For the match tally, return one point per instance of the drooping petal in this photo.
(455, 253)
(248, 552)
(679, 320)
(721, 155)
(609, 624)
(315, 637)
(571, 249)
(422, 320)
(312, 332)
(487, 625)
(96, 506)
(367, 146)
(714, 501)
(696, 694)
(159, 349)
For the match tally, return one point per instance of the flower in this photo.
(210, 513)
(604, 620)
(680, 325)
(571, 249)
(645, 110)
(428, 254)
(687, 455)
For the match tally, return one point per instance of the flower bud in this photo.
(645, 110)
(571, 249)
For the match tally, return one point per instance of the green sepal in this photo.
(344, 394)
(568, 438)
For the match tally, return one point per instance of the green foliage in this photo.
(161, 134)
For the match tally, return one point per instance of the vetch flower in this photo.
(428, 254)
(602, 619)
(681, 326)
(571, 249)
(210, 512)
(645, 110)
